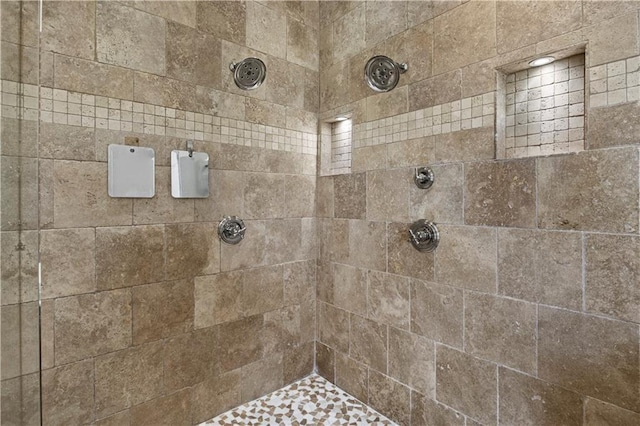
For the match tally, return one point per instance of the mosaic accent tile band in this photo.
(545, 109)
(310, 401)
(467, 113)
(79, 109)
(615, 83)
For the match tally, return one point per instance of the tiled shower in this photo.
(130, 311)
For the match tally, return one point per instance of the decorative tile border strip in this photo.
(468, 113)
(99, 112)
(615, 82)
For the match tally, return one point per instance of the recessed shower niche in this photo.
(336, 135)
(540, 106)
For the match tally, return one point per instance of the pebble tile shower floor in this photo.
(310, 401)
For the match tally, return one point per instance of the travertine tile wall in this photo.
(146, 317)
(341, 146)
(527, 313)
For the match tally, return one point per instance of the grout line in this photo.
(584, 272)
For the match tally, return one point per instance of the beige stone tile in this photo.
(297, 362)
(403, 259)
(466, 383)
(122, 418)
(192, 55)
(157, 90)
(191, 250)
(263, 196)
(443, 202)
(352, 376)
(162, 208)
(19, 268)
(413, 152)
(388, 104)
(299, 197)
(388, 195)
(20, 22)
(81, 199)
(595, 11)
(388, 299)
(66, 142)
(139, 42)
(384, 19)
(20, 340)
(350, 195)
(478, 78)
(613, 39)
(250, 252)
(477, 246)
(522, 23)
(262, 112)
(325, 202)
(389, 398)
(299, 281)
(325, 362)
(68, 262)
(466, 145)
(613, 125)
(350, 289)
(414, 47)
(234, 53)
(424, 10)
(524, 399)
(452, 47)
(240, 342)
(593, 190)
(324, 285)
(69, 28)
(162, 310)
(47, 334)
(501, 330)
(161, 145)
(333, 327)
(218, 298)
(78, 75)
(425, 410)
(302, 120)
(189, 359)
(368, 158)
(21, 399)
(368, 342)
(262, 290)
(19, 137)
(349, 33)
(334, 243)
(287, 83)
(261, 377)
(266, 30)
(92, 324)
(371, 235)
(127, 256)
(171, 410)
(19, 186)
(612, 276)
(500, 193)
(224, 196)
(46, 193)
(23, 64)
(215, 396)
(412, 361)
(215, 102)
(601, 413)
(334, 86)
(302, 44)
(183, 12)
(568, 357)
(436, 90)
(437, 312)
(542, 267)
(128, 378)
(358, 87)
(67, 394)
(283, 241)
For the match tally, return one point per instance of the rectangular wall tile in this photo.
(592, 190)
(466, 384)
(437, 312)
(368, 342)
(568, 356)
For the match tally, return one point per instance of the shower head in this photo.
(383, 73)
(249, 73)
